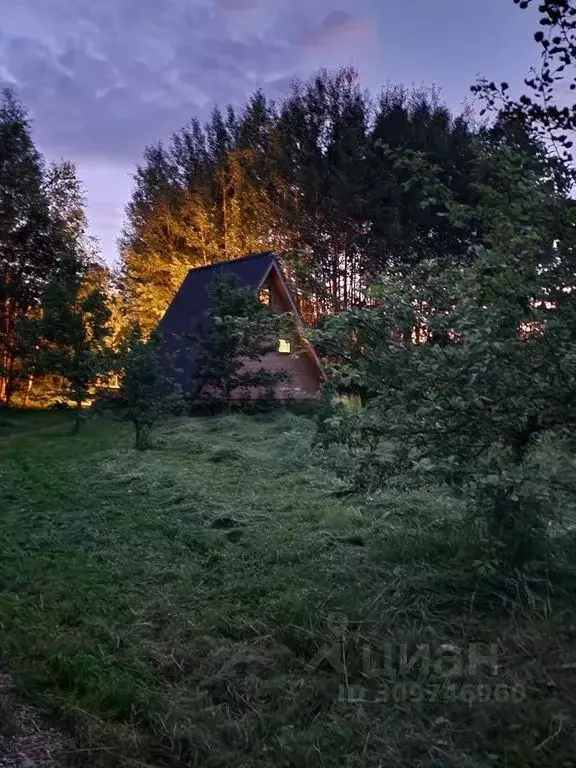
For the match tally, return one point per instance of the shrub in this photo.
(463, 367)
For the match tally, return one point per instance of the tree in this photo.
(74, 330)
(237, 330)
(407, 222)
(196, 202)
(98, 276)
(465, 365)
(315, 179)
(41, 239)
(23, 213)
(322, 135)
(143, 400)
(544, 107)
(155, 256)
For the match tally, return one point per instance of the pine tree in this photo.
(23, 217)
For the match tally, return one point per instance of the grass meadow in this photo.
(219, 601)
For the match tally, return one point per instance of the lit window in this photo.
(284, 347)
(264, 296)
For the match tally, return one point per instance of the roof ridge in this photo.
(234, 261)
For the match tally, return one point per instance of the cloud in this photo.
(113, 83)
(336, 28)
(115, 75)
(237, 5)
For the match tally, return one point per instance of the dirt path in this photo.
(26, 741)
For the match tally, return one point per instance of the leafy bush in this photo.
(462, 368)
(147, 394)
(75, 331)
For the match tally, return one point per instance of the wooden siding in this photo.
(302, 381)
(303, 375)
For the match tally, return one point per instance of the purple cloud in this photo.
(237, 5)
(113, 76)
(336, 28)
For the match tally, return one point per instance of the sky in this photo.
(104, 78)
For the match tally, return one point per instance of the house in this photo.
(184, 319)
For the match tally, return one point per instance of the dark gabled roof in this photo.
(192, 300)
(188, 308)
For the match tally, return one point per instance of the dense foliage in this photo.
(235, 334)
(43, 243)
(147, 394)
(316, 178)
(463, 366)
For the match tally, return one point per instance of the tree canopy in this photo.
(43, 240)
(321, 178)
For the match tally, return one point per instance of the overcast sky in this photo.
(102, 78)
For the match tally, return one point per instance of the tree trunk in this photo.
(28, 390)
(77, 418)
(31, 377)
(204, 249)
(10, 384)
(224, 218)
(5, 357)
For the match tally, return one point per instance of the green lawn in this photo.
(217, 602)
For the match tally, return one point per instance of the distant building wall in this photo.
(301, 383)
(303, 376)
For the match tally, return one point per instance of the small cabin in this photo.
(262, 273)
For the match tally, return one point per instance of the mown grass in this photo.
(216, 602)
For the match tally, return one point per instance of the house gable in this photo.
(184, 319)
(281, 298)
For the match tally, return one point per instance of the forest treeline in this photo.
(329, 179)
(345, 187)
